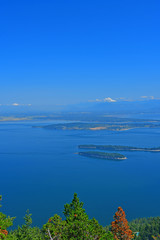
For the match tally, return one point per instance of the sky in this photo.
(58, 52)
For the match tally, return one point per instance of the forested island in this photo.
(98, 126)
(118, 148)
(103, 155)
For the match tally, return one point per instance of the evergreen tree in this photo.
(26, 232)
(76, 219)
(120, 228)
(76, 225)
(55, 227)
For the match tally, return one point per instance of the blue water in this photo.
(40, 171)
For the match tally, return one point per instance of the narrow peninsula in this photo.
(103, 155)
(118, 148)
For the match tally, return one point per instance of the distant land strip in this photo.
(76, 116)
(98, 126)
(118, 148)
(103, 155)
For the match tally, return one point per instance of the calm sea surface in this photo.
(40, 171)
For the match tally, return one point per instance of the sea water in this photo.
(40, 171)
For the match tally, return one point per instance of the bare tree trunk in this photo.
(56, 237)
(50, 235)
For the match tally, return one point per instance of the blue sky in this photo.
(62, 52)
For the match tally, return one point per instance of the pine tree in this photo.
(76, 219)
(54, 228)
(120, 228)
(76, 225)
(26, 232)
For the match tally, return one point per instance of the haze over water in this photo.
(40, 172)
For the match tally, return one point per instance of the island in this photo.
(118, 148)
(103, 155)
(98, 126)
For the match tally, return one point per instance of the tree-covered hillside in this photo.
(77, 225)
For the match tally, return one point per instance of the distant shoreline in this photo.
(92, 126)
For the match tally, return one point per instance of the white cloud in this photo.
(149, 98)
(108, 99)
(122, 99)
(144, 96)
(15, 104)
(98, 100)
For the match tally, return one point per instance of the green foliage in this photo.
(109, 236)
(144, 228)
(26, 232)
(56, 226)
(5, 222)
(97, 231)
(148, 228)
(76, 220)
(76, 225)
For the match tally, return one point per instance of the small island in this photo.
(118, 148)
(103, 155)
